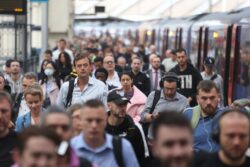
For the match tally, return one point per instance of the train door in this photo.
(240, 83)
(165, 40)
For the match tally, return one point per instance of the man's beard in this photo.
(186, 162)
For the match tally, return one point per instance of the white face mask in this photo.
(49, 72)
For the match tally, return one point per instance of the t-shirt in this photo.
(7, 144)
(213, 160)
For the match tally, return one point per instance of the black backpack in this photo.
(117, 145)
(70, 93)
(157, 96)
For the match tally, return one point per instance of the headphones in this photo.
(171, 77)
(216, 124)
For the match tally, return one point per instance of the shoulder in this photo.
(75, 140)
(97, 82)
(181, 97)
(188, 112)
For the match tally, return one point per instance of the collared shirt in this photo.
(202, 134)
(104, 156)
(115, 81)
(95, 89)
(16, 86)
(178, 103)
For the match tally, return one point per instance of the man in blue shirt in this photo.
(94, 144)
(204, 115)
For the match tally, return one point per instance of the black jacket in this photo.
(142, 82)
(189, 79)
(130, 131)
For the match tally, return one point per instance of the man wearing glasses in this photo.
(203, 116)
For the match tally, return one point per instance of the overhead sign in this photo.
(13, 6)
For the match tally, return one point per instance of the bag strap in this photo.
(117, 145)
(70, 93)
(195, 116)
(213, 77)
(146, 149)
(155, 100)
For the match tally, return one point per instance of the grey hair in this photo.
(54, 109)
(30, 75)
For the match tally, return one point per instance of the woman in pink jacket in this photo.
(136, 97)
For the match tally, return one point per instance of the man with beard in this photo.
(233, 135)
(203, 115)
(172, 143)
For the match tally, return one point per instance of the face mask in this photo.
(49, 72)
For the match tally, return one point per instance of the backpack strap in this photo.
(213, 77)
(146, 150)
(70, 93)
(155, 100)
(195, 116)
(117, 145)
(16, 106)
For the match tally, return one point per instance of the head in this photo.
(2, 81)
(51, 69)
(15, 67)
(151, 57)
(182, 57)
(109, 63)
(126, 80)
(169, 84)
(64, 59)
(172, 150)
(117, 104)
(47, 55)
(98, 62)
(7, 66)
(173, 55)
(207, 97)
(136, 64)
(29, 78)
(62, 44)
(33, 96)
(208, 65)
(82, 65)
(5, 112)
(43, 65)
(234, 134)
(75, 111)
(94, 120)
(37, 147)
(58, 119)
(101, 74)
(156, 63)
(152, 49)
(121, 61)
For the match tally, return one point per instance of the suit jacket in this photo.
(150, 75)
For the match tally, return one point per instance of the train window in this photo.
(194, 47)
(242, 66)
(215, 48)
(171, 39)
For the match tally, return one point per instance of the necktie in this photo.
(156, 80)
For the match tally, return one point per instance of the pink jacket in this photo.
(53, 93)
(136, 105)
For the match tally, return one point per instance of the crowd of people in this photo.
(108, 103)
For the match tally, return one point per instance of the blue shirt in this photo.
(103, 156)
(95, 89)
(203, 132)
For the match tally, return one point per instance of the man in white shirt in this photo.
(62, 44)
(170, 62)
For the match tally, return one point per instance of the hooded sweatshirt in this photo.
(189, 79)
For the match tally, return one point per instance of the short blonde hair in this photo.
(34, 90)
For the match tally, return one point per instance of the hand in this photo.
(189, 99)
(154, 116)
(11, 125)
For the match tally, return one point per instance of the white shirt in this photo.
(23, 109)
(115, 80)
(169, 64)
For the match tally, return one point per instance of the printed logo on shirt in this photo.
(186, 81)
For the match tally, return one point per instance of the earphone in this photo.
(169, 76)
